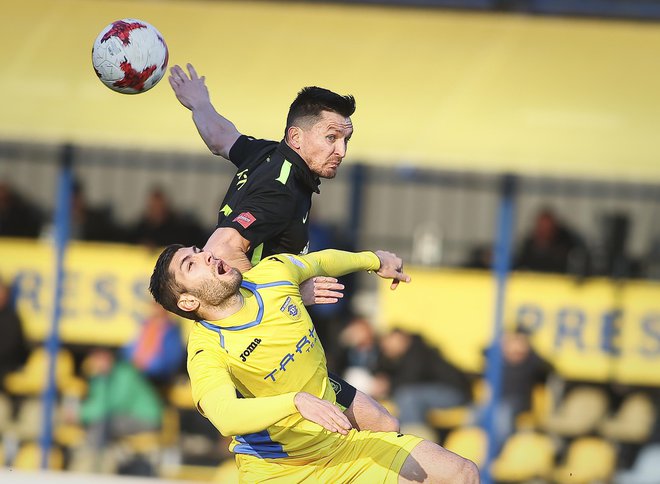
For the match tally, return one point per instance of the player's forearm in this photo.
(218, 132)
(336, 263)
(238, 416)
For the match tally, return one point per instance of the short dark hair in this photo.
(163, 287)
(312, 100)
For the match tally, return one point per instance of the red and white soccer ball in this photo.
(130, 56)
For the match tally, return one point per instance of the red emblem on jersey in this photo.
(245, 219)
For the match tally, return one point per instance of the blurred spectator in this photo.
(522, 369)
(158, 349)
(418, 378)
(92, 223)
(13, 346)
(120, 401)
(359, 350)
(160, 225)
(552, 247)
(18, 217)
(481, 257)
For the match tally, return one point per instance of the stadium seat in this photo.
(448, 418)
(28, 424)
(227, 472)
(588, 459)
(31, 379)
(469, 442)
(29, 457)
(578, 413)
(525, 455)
(645, 468)
(180, 394)
(5, 413)
(541, 405)
(633, 422)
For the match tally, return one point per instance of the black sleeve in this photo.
(247, 148)
(264, 213)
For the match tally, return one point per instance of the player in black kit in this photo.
(266, 209)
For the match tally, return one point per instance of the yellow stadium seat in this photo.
(525, 455)
(633, 422)
(541, 405)
(578, 413)
(180, 394)
(227, 472)
(448, 418)
(31, 379)
(5, 413)
(468, 442)
(588, 459)
(29, 457)
(29, 420)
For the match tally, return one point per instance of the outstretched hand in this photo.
(321, 290)
(391, 267)
(190, 91)
(322, 412)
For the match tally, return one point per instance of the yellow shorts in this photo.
(361, 456)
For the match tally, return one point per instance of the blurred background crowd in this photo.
(579, 392)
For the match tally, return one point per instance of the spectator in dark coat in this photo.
(418, 378)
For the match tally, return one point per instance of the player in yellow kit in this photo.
(258, 372)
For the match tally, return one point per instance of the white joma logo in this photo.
(305, 217)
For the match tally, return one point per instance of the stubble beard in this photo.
(219, 293)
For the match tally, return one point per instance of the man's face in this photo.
(205, 277)
(323, 145)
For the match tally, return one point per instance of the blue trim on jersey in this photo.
(254, 289)
(259, 444)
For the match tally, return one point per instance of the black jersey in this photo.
(269, 200)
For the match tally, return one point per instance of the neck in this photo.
(227, 308)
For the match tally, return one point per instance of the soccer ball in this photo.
(130, 56)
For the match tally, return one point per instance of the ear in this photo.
(188, 302)
(294, 133)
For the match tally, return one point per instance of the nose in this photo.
(208, 257)
(340, 148)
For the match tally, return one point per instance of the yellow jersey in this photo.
(246, 369)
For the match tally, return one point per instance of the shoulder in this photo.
(273, 268)
(247, 150)
(201, 338)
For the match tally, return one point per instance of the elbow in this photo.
(227, 429)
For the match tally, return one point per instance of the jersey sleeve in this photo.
(263, 213)
(214, 393)
(329, 262)
(246, 149)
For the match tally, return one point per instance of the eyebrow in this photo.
(195, 250)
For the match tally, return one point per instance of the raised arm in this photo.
(336, 263)
(218, 132)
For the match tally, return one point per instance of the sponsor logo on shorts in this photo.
(245, 219)
(399, 435)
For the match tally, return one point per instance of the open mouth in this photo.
(221, 267)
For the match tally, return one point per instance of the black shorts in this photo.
(345, 391)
